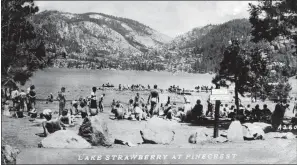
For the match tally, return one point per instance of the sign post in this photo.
(218, 95)
(216, 125)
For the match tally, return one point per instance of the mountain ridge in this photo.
(97, 40)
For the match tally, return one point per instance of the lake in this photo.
(80, 81)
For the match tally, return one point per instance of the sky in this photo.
(172, 18)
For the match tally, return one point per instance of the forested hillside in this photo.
(96, 40)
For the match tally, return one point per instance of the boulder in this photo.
(152, 136)
(235, 132)
(95, 130)
(158, 131)
(199, 137)
(8, 154)
(252, 132)
(265, 127)
(64, 139)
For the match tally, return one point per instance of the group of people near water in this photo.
(133, 87)
(21, 101)
(139, 109)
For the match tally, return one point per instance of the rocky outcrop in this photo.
(8, 154)
(64, 139)
(95, 130)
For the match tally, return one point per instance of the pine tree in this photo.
(274, 19)
(240, 65)
(22, 52)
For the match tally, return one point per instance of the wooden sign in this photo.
(219, 92)
(220, 97)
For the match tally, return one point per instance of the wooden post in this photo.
(216, 123)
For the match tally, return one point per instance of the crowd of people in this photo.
(139, 108)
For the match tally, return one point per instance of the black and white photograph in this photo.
(148, 82)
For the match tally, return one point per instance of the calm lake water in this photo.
(51, 80)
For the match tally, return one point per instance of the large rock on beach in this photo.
(264, 126)
(252, 132)
(158, 131)
(95, 130)
(151, 136)
(199, 136)
(65, 139)
(235, 132)
(8, 154)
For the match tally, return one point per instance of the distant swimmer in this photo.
(153, 99)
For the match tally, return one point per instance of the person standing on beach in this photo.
(153, 99)
(278, 114)
(32, 98)
(101, 107)
(23, 101)
(15, 96)
(62, 100)
(93, 104)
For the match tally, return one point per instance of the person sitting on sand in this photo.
(256, 113)
(168, 101)
(130, 109)
(138, 100)
(145, 111)
(153, 99)
(113, 105)
(66, 117)
(50, 126)
(186, 116)
(74, 107)
(118, 111)
(83, 108)
(138, 112)
(161, 110)
(197, 111)
(266, 113)
(6, 109)
(93, 103)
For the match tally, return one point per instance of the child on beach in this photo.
(101, 107)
